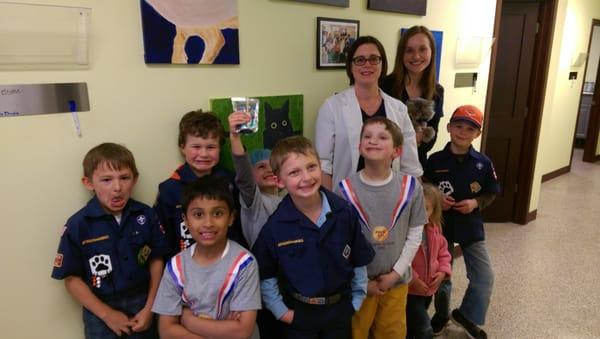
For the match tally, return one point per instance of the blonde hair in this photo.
(291, 145)
(433, 195)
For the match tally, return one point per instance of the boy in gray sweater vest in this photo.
(392, 214)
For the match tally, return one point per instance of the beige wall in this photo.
(140, 105)
(571, 37)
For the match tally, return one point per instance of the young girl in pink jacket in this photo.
(430, 266)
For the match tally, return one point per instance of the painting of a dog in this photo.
(190, 31)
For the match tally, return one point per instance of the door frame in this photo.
(533, 119)
(591, 138)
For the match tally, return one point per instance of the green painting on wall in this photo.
(279, 117)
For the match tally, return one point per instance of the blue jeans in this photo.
(417, 320)
(476, 300)
(95, 328)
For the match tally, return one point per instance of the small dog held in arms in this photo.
(421, 111)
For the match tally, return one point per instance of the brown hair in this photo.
(200, 124)
(296, 144)
(399, 74)
(389, 125)
(115, 156)
(434, 195)
(367, 39)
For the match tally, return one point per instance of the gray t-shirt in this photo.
(231, 284)
(256, 206)
(379, 205)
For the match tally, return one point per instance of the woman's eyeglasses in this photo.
(361, 60)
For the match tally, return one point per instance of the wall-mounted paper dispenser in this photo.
(43, 36)
(470, 51)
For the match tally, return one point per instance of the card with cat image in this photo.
(279, 116)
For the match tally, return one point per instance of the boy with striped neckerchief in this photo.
(392, 214)
(210, 289)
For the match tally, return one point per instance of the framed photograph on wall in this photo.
(334, 38)
(339, 3)
(416, 7)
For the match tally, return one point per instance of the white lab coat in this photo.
(337, 135)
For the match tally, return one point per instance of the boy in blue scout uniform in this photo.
(314, 247)
(468, 182)
(201, 135)
(111, 251)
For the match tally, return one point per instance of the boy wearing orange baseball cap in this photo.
(469, 184)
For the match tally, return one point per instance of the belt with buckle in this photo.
(330, 300)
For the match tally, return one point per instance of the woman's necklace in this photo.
(370, 105)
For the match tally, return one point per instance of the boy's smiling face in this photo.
(202, 154)
(376, 143)
(263, 175)
(208, 220)
(111, 186)
(300, 174)
(462, 134)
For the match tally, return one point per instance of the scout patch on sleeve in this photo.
(346, 253)
(58, 260)
(143, 255)
(475, 187)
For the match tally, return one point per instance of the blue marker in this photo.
(73, 109)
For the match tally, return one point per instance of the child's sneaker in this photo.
(473, 331)
(439, 329)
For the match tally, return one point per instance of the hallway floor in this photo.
(547, 272)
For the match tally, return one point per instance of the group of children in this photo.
(362, 262)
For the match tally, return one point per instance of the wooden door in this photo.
(510, 102)
(591, 139)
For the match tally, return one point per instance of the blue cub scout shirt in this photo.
(109, 257)
(309, 260)
(468, 179)
(168, 208)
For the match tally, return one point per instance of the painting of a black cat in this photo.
(277, 124)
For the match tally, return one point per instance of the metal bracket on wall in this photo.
(18, 100)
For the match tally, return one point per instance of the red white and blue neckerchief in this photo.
(406, 193)
(231, 279)
(175, 269)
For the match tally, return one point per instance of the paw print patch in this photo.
(184, 231)
(446, 188)
(100, 265)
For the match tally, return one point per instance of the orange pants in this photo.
(384, 317)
